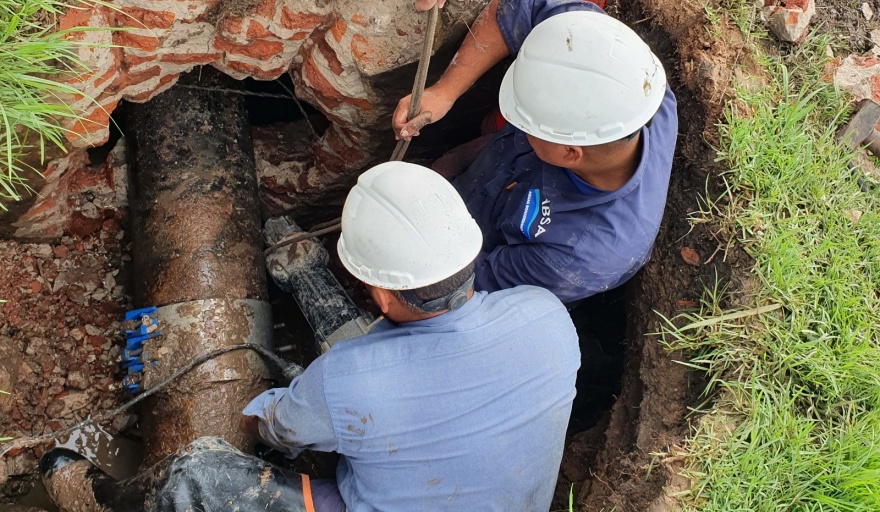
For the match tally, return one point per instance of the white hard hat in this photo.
(582, 78)
(404, 226)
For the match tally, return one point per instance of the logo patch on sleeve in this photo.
(534, 205)
(530, 212)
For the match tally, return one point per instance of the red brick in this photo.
(796, 4)
(109, 74)
(165, 80)
(233, 26)
(347, 150)
(865, 62)
(299, 20)
(82, 226)
(144, 18)
(142, 97)
(129, 40)
(256, 30)
(75, 17)
(359, 19)
(127, 79)
(256, 50)
(189, 58)
(130, 60)
(254, 71)
(96, 341)
(338, 30)
(96, 120)
(324, 91)
(875, 87)
(329, 55)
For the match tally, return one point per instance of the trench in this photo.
(630, 393)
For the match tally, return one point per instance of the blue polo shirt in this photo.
(464, 411)
(544, 226)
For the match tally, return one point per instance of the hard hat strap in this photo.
(452, 301)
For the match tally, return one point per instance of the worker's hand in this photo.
(434, 106)
(424, 5)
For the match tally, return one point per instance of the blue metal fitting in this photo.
(140, 325)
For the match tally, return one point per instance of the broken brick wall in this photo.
(340, 54)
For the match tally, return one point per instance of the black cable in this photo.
(289, 370)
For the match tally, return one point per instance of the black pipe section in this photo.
(301, 270)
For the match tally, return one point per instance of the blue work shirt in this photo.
(544, 226)
(464, 411)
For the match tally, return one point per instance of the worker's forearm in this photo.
(483, 47)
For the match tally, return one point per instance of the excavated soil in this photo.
(64, 299)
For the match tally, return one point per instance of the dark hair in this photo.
(437, 290)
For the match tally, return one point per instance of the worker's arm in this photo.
(534, 264)
(293, 418)
(483, 47)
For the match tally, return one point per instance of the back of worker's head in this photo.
(582, 78)
(406, 229)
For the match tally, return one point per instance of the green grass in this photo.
(35, 58)
(794, 423)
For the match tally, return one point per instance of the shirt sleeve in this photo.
(296, 417)
(512, 265)
(516, 18)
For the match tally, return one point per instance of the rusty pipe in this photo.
(197, 256)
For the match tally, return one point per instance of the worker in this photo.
(456, 400)
(570, 192)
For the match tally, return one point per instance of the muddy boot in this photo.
(210, 474)
(301, 270)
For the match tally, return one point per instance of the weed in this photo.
(796, 420)
(37, 65)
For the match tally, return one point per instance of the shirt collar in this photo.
(451, 316)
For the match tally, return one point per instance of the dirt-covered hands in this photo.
(435, 104)
(424, 5)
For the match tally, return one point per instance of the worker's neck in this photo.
(609, 170)
(399, 314)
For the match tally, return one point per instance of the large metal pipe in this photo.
(197, 256)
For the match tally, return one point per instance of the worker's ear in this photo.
(573, 155)
(383, 298)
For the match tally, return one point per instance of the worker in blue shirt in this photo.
(457, 400)
(570, 192)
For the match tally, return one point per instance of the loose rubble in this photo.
(59, 326)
